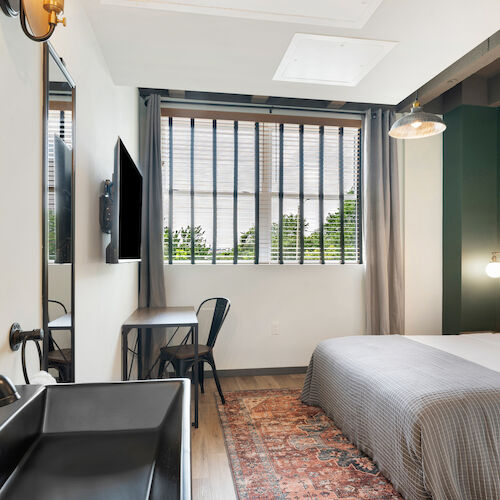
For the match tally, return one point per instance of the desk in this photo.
(162, 317)
(61, 323)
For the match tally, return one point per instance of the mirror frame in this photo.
(48, 53)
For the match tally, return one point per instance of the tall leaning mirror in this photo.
(58, 187)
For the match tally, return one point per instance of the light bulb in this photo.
(493, 269)
(416, 124)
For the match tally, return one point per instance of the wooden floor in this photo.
(211, 473)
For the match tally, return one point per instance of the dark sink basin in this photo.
(125, 440)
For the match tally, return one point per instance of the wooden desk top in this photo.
(158, 317)
(61, 323)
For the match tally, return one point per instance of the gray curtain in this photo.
(384, 257)
(151, 277)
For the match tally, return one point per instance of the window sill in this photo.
(271, 264)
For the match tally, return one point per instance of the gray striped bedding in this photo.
(429, 419)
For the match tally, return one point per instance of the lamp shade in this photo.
(417, 124)
(37, 17)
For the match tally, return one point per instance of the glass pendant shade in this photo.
(416, 124)
(493, 268)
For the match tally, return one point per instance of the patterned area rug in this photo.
(281, 448)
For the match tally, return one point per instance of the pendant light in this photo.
(417, 124)
(493, 268)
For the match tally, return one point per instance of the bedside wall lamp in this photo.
(39, 18)
(493, 268)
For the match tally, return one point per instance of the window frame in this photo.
(64, 122)
(260, 121)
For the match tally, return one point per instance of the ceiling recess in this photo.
(353, 14)
(330, 60)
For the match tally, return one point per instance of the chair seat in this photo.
(184, 351)
(60, 357)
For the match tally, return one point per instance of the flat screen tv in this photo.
(63, 166)
(126, 228)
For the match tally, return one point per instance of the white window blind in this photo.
(60, 123)
(247, 192)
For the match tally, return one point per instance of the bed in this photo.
(425, 408)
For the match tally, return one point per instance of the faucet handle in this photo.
(18, 336)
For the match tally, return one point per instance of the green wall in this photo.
(471, 218)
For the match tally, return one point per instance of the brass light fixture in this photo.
(39, 18)
(417, 124)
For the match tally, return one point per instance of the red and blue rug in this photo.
(280, 448)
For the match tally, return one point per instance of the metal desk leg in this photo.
(196, 375)
(124, 353)
(72, 366)
(139, 352)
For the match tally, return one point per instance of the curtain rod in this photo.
(270, 107)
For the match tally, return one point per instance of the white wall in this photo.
(59, 277)
(105, 295)
(422, 169)
(20, 179)
(311, 303)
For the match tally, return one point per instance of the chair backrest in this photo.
(220, 307)
(60, 304)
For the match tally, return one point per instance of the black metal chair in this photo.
(57, 358)
(181, 356)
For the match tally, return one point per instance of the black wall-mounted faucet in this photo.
(8, 392)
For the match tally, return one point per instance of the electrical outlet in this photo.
(275, 328)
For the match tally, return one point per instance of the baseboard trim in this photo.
(255, 372)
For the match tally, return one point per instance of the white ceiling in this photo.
(236, 46)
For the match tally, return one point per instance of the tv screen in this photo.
(126, 220)
(130, 207)
(63, 165)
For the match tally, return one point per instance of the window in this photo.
(59, 124)
(242, 191)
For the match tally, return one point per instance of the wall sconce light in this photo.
(493, 268)
(39, 18)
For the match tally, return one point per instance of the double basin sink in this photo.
(124, 440)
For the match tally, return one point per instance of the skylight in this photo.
(330, 60)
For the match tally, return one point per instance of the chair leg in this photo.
(161, 368)
(68, 373)
(201, 376)
(216, 378)
(181, 369)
